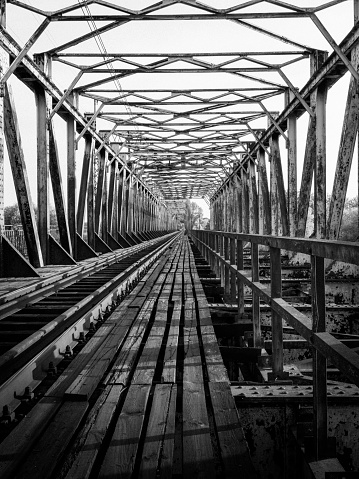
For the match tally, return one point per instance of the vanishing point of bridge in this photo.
(133, 344)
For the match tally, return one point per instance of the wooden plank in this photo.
(161, 311)
(16, 446)
(94, 432)
(320, 469)
(159, 444)
(145, 368)
(90, 349)
(204, 313)
(190, 318)
(233, 446)
(187, 286)
(155, 290)
(214, 362)
(90, 376)
(138, 301)
(170, 357)
(74, 368)
(192, 364)
(197, 447)
(47, 452)
(121, 454)
(129, 351)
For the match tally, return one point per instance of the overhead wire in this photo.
(102, 48)
(49, 36)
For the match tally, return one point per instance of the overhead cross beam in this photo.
(181, 124)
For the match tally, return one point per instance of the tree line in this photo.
(192, 218)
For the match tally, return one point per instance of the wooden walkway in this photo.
(148, 396)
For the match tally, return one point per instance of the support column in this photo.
(135, 211)
(245, 202)
(42, 109)
(316, 60)
(240, 286)
(320, 403)
(21, 182)
(253, 199)
(307, 178)
(129, 227)
(318, 281)
(292, 172)
(277, 324)
(91, 203)
(239, 195)
(278, 186)
(273, 199)
(211, 215)
(120, 202)
(225, 208)
(115, 203)
(71, 179)
(150, 208)
(101, 186)
(264, 204)
(320, 166)
(104, 217)
(254, 229)
(4, 64)
(84, 183)
(111, 189)
(59, 199)
(345, 154)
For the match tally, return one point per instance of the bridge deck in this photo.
(148, 395)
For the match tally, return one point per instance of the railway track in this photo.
(147, 396)
(41, 324)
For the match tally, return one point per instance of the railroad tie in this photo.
(148, 394)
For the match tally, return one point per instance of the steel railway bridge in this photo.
(132, 344)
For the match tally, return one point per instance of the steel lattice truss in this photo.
(182, 140)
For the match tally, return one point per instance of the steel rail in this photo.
(12, 302)
(27, 363)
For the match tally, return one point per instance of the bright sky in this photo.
(184, 36)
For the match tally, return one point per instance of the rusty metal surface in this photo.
(269, 393)
(270, 441)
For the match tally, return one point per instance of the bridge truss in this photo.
(128, 86)
(144, 104)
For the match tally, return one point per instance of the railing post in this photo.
(221, 265)
(211, 243)
(232, 260)
(208, 240)
(216, 261)
(320, 405)
(240, 289)
(257, 335)
(226, 267)
(277, 326)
